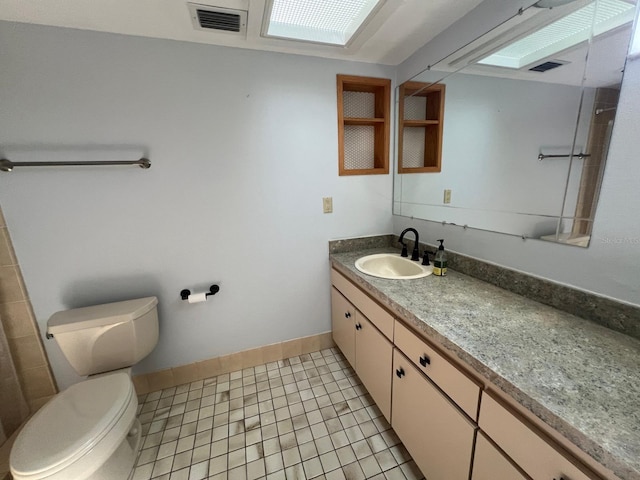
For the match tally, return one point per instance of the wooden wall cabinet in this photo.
(363, 125)
(420, 127)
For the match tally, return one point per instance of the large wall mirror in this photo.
(510, 133)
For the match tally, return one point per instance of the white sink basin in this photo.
(392, 266)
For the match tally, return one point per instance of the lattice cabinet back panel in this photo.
(414, 139)
(415, 108)
(359, 144)
(359, 104)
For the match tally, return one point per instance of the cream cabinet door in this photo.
(343, 317)
(538, 458)
(438, 436)
(490, 464)
(374, 362)
(464, 391)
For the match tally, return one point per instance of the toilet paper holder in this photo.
(213, 289)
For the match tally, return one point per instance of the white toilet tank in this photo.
(106, 337)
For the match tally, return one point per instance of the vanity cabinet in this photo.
(443, 414)
(436, 433)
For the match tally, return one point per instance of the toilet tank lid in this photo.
(99, 315)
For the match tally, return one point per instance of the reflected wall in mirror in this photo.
(528, 114)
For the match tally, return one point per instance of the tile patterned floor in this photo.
(306, 417)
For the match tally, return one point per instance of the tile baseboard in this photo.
(172, 377)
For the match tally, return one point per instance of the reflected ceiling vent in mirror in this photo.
(549, 65)
(595, 18)
(227, 20)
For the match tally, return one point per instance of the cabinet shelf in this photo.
(420, 123)
(363, 125)
(363, 121)
(420, 126)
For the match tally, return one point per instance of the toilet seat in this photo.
(72, 435)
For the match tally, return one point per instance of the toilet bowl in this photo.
(90, 430)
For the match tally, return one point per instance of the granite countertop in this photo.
(580, 378)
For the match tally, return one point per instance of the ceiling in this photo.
(396, 31)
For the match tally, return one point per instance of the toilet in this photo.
(90, 430)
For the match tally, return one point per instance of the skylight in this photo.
(564, 33)
(331, 22)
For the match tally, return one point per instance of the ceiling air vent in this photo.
(550, 65)
(227, 20)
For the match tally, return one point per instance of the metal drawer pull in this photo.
(347, 315)
(400, 372)
(358, 326)
(424, 360)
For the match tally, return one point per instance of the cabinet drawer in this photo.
(374, 312)
(531, 452)
(490, 464)
(438, 436)
(462, 390)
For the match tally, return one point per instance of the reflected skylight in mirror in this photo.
(329, 21)
(564, 33)
(635, 41)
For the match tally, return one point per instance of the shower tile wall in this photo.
(21, 329)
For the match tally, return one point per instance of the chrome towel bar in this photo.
(577, 155)
(8, 165)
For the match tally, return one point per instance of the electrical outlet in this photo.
(327, 204)
(447, 196)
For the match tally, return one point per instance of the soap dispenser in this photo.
(440, 261)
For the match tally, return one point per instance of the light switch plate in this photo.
(447, 196)
(327, 204)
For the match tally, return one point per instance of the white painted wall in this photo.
(611, 264)
(243, 146)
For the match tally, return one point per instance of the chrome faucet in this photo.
(415, 255)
